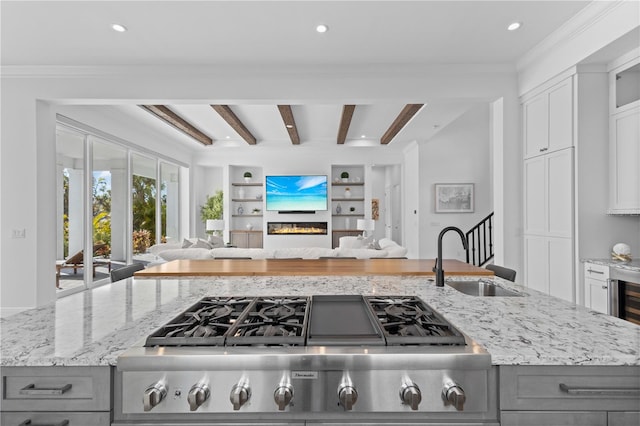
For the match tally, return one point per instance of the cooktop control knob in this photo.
(347, 395)
(453, 394)
(283, 395)
(198, 394)
(410, 394)
(240, 394)
(154, 395)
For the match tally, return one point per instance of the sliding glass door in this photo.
(143, 204)
(110, 216)
(108, 207)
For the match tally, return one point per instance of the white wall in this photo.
(458, 154)
(28, 130)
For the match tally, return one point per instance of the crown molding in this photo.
(578, 24)
(371, 70)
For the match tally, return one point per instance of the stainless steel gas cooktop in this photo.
(297, 359)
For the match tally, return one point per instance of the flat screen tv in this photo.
(296, 193)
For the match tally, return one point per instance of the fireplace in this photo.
(297, 228)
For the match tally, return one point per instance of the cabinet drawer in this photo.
(553, 418)
(597, 272)
(56, 388)
(626, 418)
(55, 418)
(569, 388)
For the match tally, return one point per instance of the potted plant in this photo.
(212, 208)
(344, 176)
(255, 211)
(247, 176)
(352, 209)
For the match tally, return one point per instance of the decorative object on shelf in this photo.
(352, 209)
(356, 179)
(247, 176)
(240, 209)
(249, 226)
(347, 223)
(256, 211)
(622, 252)
(344, 176)
(365, 225)
(454, 198)
(375, 209)
(347, 192)
(241, 193)
(338, 209)
(259, 197)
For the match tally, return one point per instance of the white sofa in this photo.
(357, 247)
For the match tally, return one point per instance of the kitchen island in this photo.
(542, 334)
(319, 267)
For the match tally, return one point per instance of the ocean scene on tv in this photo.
(299, 193)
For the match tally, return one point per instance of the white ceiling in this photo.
(259, 33)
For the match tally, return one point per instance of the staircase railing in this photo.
(480, 239)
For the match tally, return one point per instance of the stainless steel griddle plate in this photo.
(342, 320)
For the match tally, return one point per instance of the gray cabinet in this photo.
(569, 395)
(246, 239)
(72, 396)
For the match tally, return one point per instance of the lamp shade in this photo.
(365, 225)
(215, 225)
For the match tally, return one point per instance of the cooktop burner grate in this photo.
(272, 321)
(410, 321)
(203, 324)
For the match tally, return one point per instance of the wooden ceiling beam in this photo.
(345, 122)
(174, 120)
(232, 120)
(401, 120)
(290, 123)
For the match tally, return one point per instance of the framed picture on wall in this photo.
(454, 197)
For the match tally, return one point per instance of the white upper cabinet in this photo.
(548, 120)
(624, 138)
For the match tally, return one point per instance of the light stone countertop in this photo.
(93, 327)
(633, 265)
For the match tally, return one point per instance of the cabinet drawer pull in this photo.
(33, 390)
(593, 271)
(589, 390)
(28, 423)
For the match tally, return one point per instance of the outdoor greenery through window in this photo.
(126, 217)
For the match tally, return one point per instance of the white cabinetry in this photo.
(548, 207)
(596, 287)
(624, 161)
(547, 120)
(624, 134)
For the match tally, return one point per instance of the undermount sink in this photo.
(481, 288)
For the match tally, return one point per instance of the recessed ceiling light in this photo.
(289, 126)
(228, 137)
(322, 28)
(514, 26)
(363, 136)
(119, 28)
